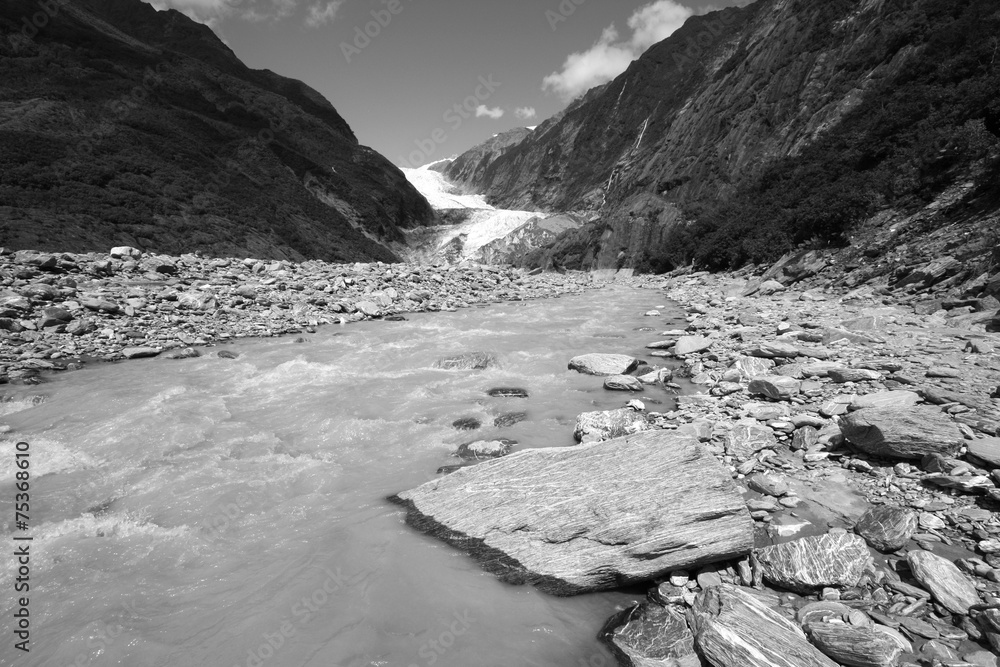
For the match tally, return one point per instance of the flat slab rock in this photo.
(573, 520)
(909, 433)
(834, 559)
(734, 628)
(603, 364)
(648, 635)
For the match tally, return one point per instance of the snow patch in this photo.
(440, 193)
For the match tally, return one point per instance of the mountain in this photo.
(122, 125)
(753, 131)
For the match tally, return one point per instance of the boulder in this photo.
(855, 646)
(53, 317)
(603, 364)
(125, 252)
(809, 563)
(623, 383)
(776, 387)
(770, 287)
(734, 628)
(597, 426)
(648, 635)
(578, 519)
(507, 392)
(932, 273)
(949, 587)
(485, 449)
(101, 305)
(368, 308)
(40, 292)
(471, 361)
(886, 527)
(902, 433)
(692, 344)
(140, 352)
(794, 267)
(467, 424)
(197, 301)
(508, 419)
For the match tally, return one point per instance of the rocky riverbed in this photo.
(858, 432)
(59, 310)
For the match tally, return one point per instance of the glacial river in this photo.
(232, 513)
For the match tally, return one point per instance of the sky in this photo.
(422, 80)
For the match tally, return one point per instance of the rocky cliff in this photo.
(121, 125)
(706, 114)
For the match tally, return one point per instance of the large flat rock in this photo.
(907, 433)
(594, 517)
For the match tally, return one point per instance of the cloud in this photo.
(211, 12)
(611, 55)
(322, 13)
(483, 110)
(525, 113)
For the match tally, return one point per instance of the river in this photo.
(232, 512)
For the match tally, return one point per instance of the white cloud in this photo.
(211, 12)
(525, 113)
(322, 13)
(611, 55)
(483, 110)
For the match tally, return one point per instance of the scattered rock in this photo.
(691, 345)
(901, 433)
(809, 563)
(776, 387)
(485, 449)
(507, 392)
(623, 383)
(944, 580)
(605, 425)
(139, 352)
(886, 527)
(467, 424)
(603, 364)
(734, 628)
(509, 419)
(648, 635)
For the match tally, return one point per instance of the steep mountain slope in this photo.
(123, 125)
(738, 97)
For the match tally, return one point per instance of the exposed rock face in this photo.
(648, 635)
(635, 148)
(944, 580)
(834, 559)
(608, 424)
(229, 130)
(641, 506)
(603, 364)
(907, 434)
(887, 528)
(732, 627)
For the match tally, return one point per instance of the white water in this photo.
(187, 512)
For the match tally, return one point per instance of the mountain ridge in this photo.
(162, 139)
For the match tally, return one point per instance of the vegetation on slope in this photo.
(912, 137)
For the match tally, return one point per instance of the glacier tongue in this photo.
(473, 222)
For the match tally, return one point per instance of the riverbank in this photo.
(840, 412)
(60, 310)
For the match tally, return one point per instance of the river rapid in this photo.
(233, 513)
